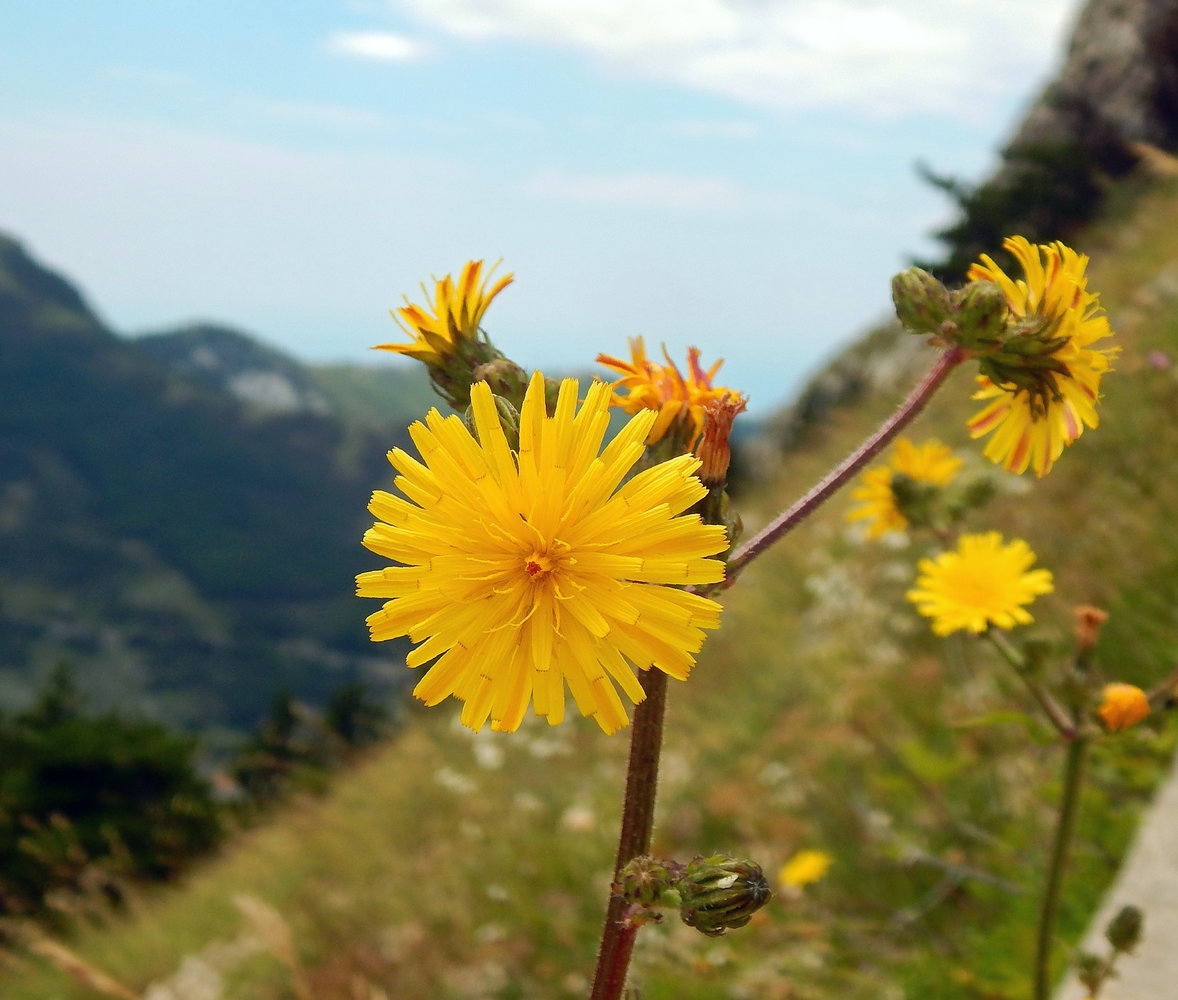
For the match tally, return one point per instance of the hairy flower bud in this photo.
(645, 880)
(980, 312)
(721, 892)
(922, 302)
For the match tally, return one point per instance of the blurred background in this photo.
(740, 175)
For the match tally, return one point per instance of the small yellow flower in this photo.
(1121, 706)
(664, 389)
(458, 310)
(523, 572)
(804, 868)
(1043, 408)
(984, 583)
(932, 463)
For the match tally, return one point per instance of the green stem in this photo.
(1051, 708)
(840, 476)
(646, 740)
(1069, 807)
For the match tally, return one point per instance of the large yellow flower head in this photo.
(984, 582)
(525, 571)
(1033, 418)
(664, 389)
(458, 310)
(931, 463)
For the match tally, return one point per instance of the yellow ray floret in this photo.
(458, 310)
(984, 582)
(1031, 429)
(526, 573)
(931, 463)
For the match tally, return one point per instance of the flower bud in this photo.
(721, 892)
(1122, 705)
(508, 420)
(980, 313)
(505, 377)
(922, 302)
(644, 880)
(1124, 930)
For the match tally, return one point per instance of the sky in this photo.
(739, 175)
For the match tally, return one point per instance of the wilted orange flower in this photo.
(650, 386)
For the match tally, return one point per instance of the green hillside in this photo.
(823, 715)
(186, 552)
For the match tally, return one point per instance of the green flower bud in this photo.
(1124, 930)
(505, 378)
(980, 312)
(508, 420)
(644, 880)
(922, 303)
(721, 892)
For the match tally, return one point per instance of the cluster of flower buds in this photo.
(712, 894)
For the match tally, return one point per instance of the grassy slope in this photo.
(450, 865)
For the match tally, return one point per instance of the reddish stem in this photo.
(850, 467)
(646, 740)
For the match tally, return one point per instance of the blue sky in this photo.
(735, 174)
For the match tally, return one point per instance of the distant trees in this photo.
(90, 801)
(86, 800)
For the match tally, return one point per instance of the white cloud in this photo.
(386, 46)
(882, 57)
(642, 189)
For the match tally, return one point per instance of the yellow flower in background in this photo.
(931, 463)
(664, 389)
(984, 582)
(523, 572)
(1046, 405)
(457, 312)
(1122, 705)
(804, 868)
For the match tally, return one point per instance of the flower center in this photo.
(538, 565)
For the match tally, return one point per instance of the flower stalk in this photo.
(1065, 829)
(850, 467)
(646, 740)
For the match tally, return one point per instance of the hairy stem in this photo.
(646, 740)
(850, 467)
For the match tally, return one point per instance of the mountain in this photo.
(1113, 102)
(180, 515)
(231, 360)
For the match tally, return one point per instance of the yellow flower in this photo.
(458, 310)
(523, 572)
(1047, 405)
(984, 582)
(932, 463)
(804, 868)
(1122, 705)
(663, 388)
